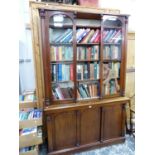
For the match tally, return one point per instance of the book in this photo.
(82, 35)
(94, 35)
(87, 37)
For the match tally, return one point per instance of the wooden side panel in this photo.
(64, 130)
(112, 122)
(35, 26)
(90, 125)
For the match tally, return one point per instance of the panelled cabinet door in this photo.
(89, 125)
(62, 131)
(112, 122)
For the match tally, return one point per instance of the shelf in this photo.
(89, 98)
(30, 140)
(111, 60)
(78, 61)
(61, 81)
(30, 123)
(61, 44)
(61, 61)
(111, 43)
(112, 95)
(87, 44)
(112, 27)
(27, 104)
(62, 27)
(88, 80)
(32, 152)
(88, 26)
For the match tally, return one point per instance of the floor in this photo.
(127, 148)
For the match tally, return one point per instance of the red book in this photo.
(71, 72)
(97, 39)
(88, 53)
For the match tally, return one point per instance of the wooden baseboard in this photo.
(90, 146)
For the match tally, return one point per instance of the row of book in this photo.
(88, 53)
(62, 72)
(111, 87)
(31, 114)
(58, 53)
(26, 149)
(112, 36)
(27, 95)
(111, 70)
(111, 52)
(88, 71)
(60, 93)
(87, 90)
(82, 36)
(27, 131)
(88, 35)
(63, 37)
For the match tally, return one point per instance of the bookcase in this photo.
(30, 132)
(83, 53)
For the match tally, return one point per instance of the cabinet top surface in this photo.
(74, 8)
(86, 103)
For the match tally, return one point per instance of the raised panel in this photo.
(90, 125)
(65, 130)
(112, 122)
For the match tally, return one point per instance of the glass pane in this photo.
(111, 21)
(88, 90)
(112, 52)
(87, 71)
(88, 53)
(61, 57)
(63, 91)
(111, 78)
(60, 19)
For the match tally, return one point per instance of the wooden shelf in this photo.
(78, 61)
(112, 27)
(62, 27)
(111, 60)
(88, 80)
(61, 61)
(88, 98)
(30, 123)
(32, 152)
(87, 44)
(61, 81)
(56, 44)
(112, 43)
(29, 140)
(27, 104)
(88, 26)
(112, 95)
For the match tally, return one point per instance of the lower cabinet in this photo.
(112, 122)
(76, 129)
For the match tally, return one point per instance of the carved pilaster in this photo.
(48, 118)
(47, 101)
(42, 13)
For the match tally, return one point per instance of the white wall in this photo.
(26, 68)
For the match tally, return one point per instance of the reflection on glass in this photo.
(63, 91)
(111, 75)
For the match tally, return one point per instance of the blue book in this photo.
(84, 33)
(108, 35)
(67, 37)
(61, 36)
(59, 72)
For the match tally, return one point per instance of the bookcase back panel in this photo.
(88, 22)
